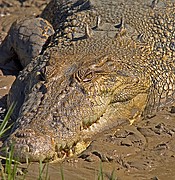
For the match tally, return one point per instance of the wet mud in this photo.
(144, 150)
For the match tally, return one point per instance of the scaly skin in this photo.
(107, 61)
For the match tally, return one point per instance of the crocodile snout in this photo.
(28, 145)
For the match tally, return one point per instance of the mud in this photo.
(142, 151)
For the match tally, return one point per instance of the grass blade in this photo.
(100, 175)
(4, 123)
(62, 174)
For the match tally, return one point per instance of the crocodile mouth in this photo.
(28, 145)
(40, 148)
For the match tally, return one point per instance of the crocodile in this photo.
(93, 63)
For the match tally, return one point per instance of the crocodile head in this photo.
(69, 104)
(85, 82)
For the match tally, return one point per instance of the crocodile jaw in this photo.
(31, 146)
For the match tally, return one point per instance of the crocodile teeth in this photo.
(63, 145)
(70, 153)
(93, 126)
(25, 148)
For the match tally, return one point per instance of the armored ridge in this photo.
(106, 61)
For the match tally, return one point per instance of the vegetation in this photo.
(10, 170)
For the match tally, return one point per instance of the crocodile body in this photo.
(106, 61)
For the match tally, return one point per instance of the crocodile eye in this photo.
(88, 76)
(78, 76)
(82, 76)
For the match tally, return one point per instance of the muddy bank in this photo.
(142, 151)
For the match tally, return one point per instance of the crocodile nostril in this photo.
(29, 145)
(26, 133)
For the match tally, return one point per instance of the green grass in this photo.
(3, 126)
(101, 174)
(10, 170)
(41, 171)
(10, 167)
(62, 173)
(112, 176)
